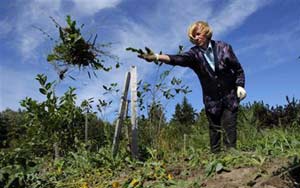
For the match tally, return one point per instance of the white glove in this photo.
(241, 92)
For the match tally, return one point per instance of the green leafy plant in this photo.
(57, 120)
(73, 50)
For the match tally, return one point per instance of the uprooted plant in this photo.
(73, 50)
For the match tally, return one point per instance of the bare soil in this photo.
(267, 176)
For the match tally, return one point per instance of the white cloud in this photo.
(34, 14)
(170, 20)
(5, 28)
(269, 48)
(28, 43)
(90, 7)
(233, 14)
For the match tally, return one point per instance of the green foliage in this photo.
(57, 120)
(3, 131)
(83, 167)
(54, 118)
(266, 116)
(19, 168)
(161, 89)
(214, 167)
(151, 173)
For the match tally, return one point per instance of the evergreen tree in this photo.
(184, 113)
(188, 112)
(177, 116)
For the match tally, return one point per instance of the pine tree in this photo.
(188, 112)
(177, 116)
(184, 113)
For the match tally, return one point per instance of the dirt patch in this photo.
(272, 174)
(249, 177)
(256, 177)
(234, 179)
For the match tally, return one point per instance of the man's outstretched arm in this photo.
(155, 57)
(183, 60)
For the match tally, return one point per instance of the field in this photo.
(174, 155)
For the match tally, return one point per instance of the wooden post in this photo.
(121, 115)
(184, 143)
(127, 127)
(56, 151)
(133, 85)
(86, 127)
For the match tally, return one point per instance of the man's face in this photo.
(200, 38)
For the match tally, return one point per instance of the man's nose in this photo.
(201, 37)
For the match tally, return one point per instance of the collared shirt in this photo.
(209, 56)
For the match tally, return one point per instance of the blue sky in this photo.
(265, 35)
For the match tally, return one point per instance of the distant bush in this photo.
(286, 115)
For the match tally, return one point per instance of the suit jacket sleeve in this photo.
(184, 60)
(236, 66)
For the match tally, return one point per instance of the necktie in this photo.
(210, 57)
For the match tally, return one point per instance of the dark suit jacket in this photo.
(219, 86)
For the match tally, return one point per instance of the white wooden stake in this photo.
(133, 85)
(86, 127)
(56, 151)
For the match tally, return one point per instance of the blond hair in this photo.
(204, 27)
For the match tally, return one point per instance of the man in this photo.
(222, 79)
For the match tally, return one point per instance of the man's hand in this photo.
(148, 57)
(241, 93)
